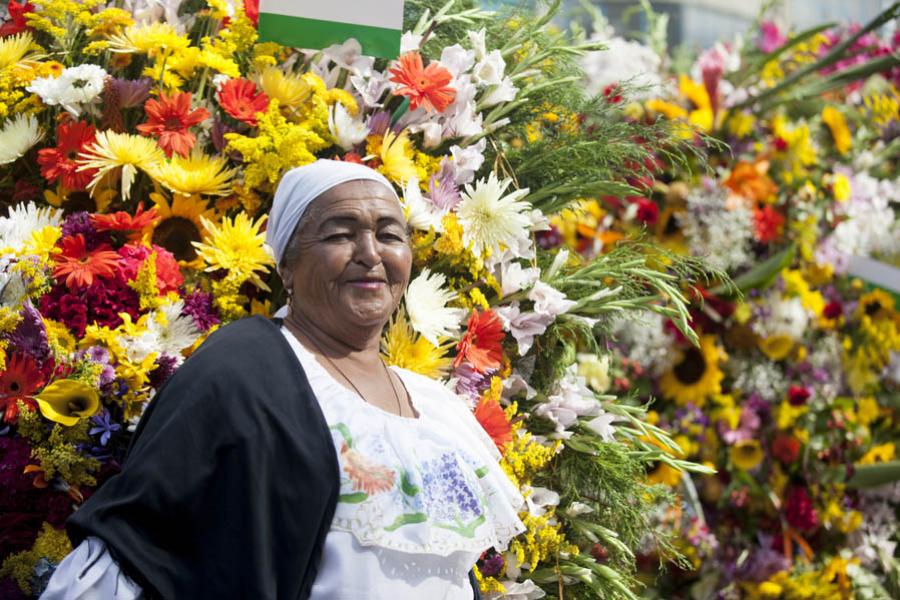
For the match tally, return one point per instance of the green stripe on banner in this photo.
(299, 32)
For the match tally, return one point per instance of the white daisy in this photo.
(426, 305)
(75, 87)
(490, 220)
(17, 136)
(175, 331)
(23, 219)
(346, 131)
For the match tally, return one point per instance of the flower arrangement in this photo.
(791, 394)
(140, 152)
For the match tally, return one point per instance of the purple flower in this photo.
(379, 122)
(103, 426)
(470, 382)
(771, 38)
(132, 93)
(165, 368)
(442, 187)
(491, 565)
(30, 336)
(199, 306)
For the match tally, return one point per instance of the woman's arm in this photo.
(89, 571)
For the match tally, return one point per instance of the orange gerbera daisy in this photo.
(122, 221)
(19, 381)
(367, 476)
(169, 120)
(424, 86)
(80, 266)
(240, 99)
(482, 343)
(751, 181)
(493, 420)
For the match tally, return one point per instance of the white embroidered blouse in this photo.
(420, 500)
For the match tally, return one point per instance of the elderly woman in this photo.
(284, 459)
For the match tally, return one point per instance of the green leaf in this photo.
(762, 274)
(867, 476)
(757, 64)
(838, 80)
(354, 498)
(345, 433)
(408, 519)
(407, 486)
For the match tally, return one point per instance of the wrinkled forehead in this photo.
(355, 196)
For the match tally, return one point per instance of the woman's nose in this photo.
(366, 250)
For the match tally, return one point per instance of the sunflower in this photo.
(404, 348)
(111, 151)
(196, 174)
(696, 374)
(179, 225)
(237, 246)
(877, 304)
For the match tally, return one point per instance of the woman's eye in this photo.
(338, 237)
(391, 236)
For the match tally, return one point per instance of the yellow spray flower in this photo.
(198, 174)
(839, 130)
(67, 401)
(237, 246)
(130, 153)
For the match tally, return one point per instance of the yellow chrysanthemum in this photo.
(111, 151)
(396, 154)
(13, 48)
(195, 174)
(237, 246)
(403, 347)
(148, 39)
(696, 374)
(290, 90)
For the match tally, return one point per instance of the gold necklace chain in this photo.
(350, 381)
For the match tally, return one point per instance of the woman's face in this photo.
(354, 258)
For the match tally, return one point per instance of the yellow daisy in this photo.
(404, 348)
(237, 246)
(696, 374)
(196, 174)
(396, 154)
(290, 90)
(13, 48)
(148, 39)
(111, 151)
(180, 225)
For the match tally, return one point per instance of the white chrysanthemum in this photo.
(421, 213)
(426, 305)
(490, 220)
(75, 87)
(785, 316)
(175, 331)
(346, 131)
(23, 220)
(17, 136)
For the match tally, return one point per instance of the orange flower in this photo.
(122, 221)
(19, 381)
(169, 119)
(366, 475)
(80, 266)
(482, 343)
(424, 86)
(493, 420)
(751, 181)
(240, 99)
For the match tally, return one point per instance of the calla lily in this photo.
(67, 401)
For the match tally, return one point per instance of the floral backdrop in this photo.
(574, 233)
(792, 394)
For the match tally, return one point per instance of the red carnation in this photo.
(240, 99)
(785, 448)
(833, 310)
(168, 275)
(767, 224)
(482, 343)
(169, 119)
(58, 162)
(799, 510)
(647, 211)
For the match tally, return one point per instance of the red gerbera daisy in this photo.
(240, 99)
(17, 18)
(493, 420)
(21, 379)
(424, 86)
(80, 266)
(482, 343)
(169, 119)
(767, 223)
(122, 221)
(58, 162)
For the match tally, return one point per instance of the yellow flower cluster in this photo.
(524, 455)
(831, 583)
(543, 540)
(57, 18)
(800, 152)
(50, 543)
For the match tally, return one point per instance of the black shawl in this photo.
(230, 481)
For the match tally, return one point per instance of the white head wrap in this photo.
(300, 186)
